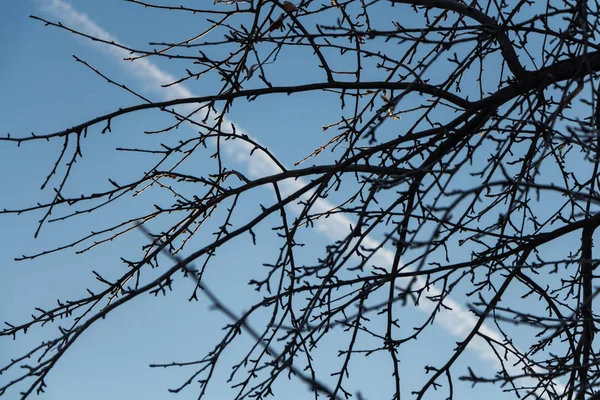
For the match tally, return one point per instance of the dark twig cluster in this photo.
(463, 167)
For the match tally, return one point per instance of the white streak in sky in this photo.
(457, 321)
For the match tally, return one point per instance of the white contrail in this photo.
(457, 321)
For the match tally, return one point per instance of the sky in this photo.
(46, 90)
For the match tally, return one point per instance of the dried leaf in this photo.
(251, 70)
(277, 24)
(289, 6)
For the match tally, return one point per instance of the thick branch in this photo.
(587, 335)
(506, 46)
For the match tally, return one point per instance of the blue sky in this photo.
(46, 90)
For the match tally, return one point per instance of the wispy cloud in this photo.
(457, 321)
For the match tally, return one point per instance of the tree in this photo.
(462, 168)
